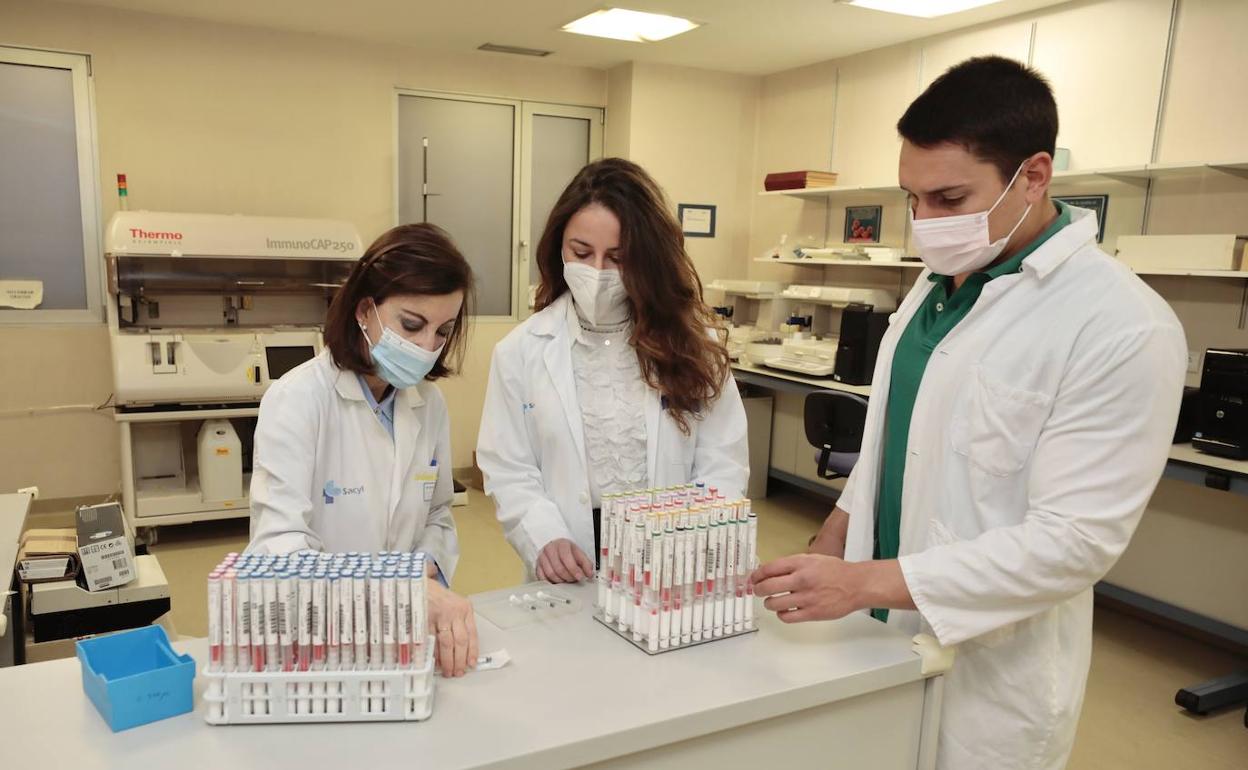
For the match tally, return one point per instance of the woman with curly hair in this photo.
(618, 382)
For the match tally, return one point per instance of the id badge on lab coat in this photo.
(428, 480)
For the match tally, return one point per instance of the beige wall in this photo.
(694, 131)
(215, 118)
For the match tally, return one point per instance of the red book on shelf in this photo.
(797, 180)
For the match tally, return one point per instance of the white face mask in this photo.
(600, 295)
(959, 244)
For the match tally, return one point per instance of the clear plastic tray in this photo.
(498, 607)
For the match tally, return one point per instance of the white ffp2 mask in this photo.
(599, 294)
(959, 244)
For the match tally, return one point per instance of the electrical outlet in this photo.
(1193, 362)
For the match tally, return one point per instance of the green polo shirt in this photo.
(942, 310)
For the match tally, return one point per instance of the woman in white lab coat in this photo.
(352, 448)
(618, 381)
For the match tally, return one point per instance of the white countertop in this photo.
(574, 693)
(1184, 453)
(826, 383)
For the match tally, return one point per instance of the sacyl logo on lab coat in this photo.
(331, 491)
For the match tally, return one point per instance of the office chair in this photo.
(834, 424)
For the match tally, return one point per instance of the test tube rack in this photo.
(348, 696)
(674, 567)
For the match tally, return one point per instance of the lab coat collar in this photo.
(552, 319)
(348, 386)
(1063, 244)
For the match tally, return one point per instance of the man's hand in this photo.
(818, 587)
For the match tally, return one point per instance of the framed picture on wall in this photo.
(697, 220)
(862, 224)
(1097, 203)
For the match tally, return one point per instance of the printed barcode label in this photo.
(314, 618)
(281, 624)
(386, 630)
(119, 563)
(275, 619)
(246, 616)
(125, 573)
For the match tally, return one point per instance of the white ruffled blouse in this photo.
(612, 396)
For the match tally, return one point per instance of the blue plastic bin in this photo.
(134, 677)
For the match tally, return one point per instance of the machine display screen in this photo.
(283, 359)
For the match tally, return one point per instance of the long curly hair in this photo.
(679, 357)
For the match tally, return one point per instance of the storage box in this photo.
(105, 546)
(1181, 252)
(135, 677)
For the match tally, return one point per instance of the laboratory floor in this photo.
(1129, 718)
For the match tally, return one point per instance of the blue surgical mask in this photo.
(401, 363)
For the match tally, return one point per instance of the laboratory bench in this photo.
(845, 694)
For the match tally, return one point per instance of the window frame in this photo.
(87, 143)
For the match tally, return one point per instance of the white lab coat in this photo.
(531, 448)
(1039, 433)
(327, 476)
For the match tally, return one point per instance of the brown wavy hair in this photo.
(671, 321)
(408, 259)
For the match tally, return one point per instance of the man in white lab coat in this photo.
(1022, 407)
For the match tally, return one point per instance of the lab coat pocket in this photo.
(998, 425)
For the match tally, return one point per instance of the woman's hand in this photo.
(455, 629)
(561, 561)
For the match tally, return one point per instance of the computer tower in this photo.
(1222, 424)
(861, 331)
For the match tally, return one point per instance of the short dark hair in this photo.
(408, 259)
(998, 109)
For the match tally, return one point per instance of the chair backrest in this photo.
(835, 420)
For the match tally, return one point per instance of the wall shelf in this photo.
(825, 262)
(1147, 171)
(1242, 274)
(1140, 173)
(827, 192)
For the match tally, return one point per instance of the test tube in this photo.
(265, 635)
(403, 616)
(320, 585)
(652, 558)
(333, 661)
(303, 705)
(604, 554)
(721, 564)
(703, 608)
(640, 540)
(346, 628)
(742, 569)
(420, 613)
(730, 568)
(375, 688)
(609, 568)
(228, 625)
(359, 605)
(214, 639)
(752, 559)
(678, 578)
(665, 585)
(689, 543)
(389, 619)
(242, 620)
